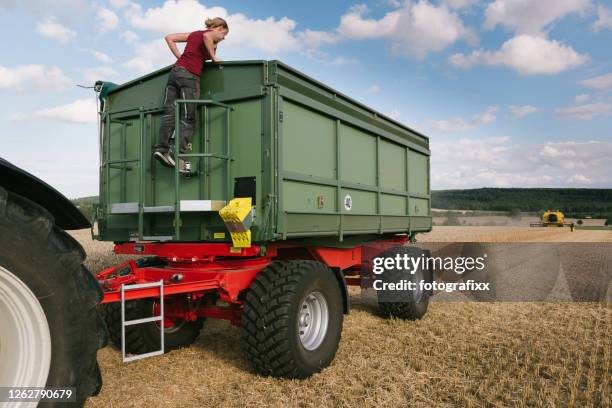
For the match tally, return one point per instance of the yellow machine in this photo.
(552, 218)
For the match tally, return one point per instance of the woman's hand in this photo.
(172, 39)
(211, 47)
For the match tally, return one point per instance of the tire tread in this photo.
(31, 226)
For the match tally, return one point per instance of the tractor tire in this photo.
(145, 337)
(405, 305)
(50, 330)
(292, 319)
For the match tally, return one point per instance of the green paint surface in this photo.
(308, 146)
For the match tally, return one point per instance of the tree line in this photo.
(574, 202)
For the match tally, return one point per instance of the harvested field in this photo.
(513, 234)
(505, 221)
(460, 354)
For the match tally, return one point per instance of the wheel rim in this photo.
(25, 339)
(170, 325)
(313, 319)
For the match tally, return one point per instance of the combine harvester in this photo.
(552, 218)
(290, 178)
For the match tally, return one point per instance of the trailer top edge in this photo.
(290, 69)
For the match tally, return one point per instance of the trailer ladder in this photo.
(160, 319)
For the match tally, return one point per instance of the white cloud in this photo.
(353, 24)
(451, 125)
(107, 19)
(522, 111)
(579, 179)
(582, 98)
(81, 111)
(415, 29)
(119, 3)
(601, 83)
(556, 151)
(129, 36)
(486, 117)
(49, 27)
(101, 73)
(372, 89)
(500, 162)
(149, 56)
(604, 19)
(36, 77)
(460, 4)
(269, 35)
(100, 56)
(529, 55)
(459, 124)
(314, 39)
(528, 16)
(586, 112)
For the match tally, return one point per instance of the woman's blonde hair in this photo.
(216, 22)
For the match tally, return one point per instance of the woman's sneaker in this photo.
(184, 166)
(165, 158)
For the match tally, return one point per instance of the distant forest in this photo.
(85, 204)
(574, 202)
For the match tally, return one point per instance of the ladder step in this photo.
(141, 356)
(186, 206)
(141, 286)
(143, 320)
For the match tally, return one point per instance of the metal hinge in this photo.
(280, 116)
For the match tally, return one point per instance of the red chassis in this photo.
(196, 276)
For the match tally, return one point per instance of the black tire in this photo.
(269, 327)
(405, 304)
(50, 263)
(145, 338)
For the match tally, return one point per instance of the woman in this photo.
(184, 83)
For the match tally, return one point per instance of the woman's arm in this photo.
(210, 47)
(172, 39)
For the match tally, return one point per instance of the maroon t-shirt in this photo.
(195, 53)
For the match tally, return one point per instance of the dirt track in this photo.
(460, 354)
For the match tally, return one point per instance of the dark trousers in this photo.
(182, 84)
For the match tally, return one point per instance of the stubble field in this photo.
(460, 354)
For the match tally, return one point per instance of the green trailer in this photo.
(320, 163)
(289, 180)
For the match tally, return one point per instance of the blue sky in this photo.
(513, 93)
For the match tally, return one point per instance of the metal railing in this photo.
(205, 156)
(141, 112)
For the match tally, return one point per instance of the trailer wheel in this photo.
(144, 338)
(292, 319)
(50, 331)
(407, 305)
